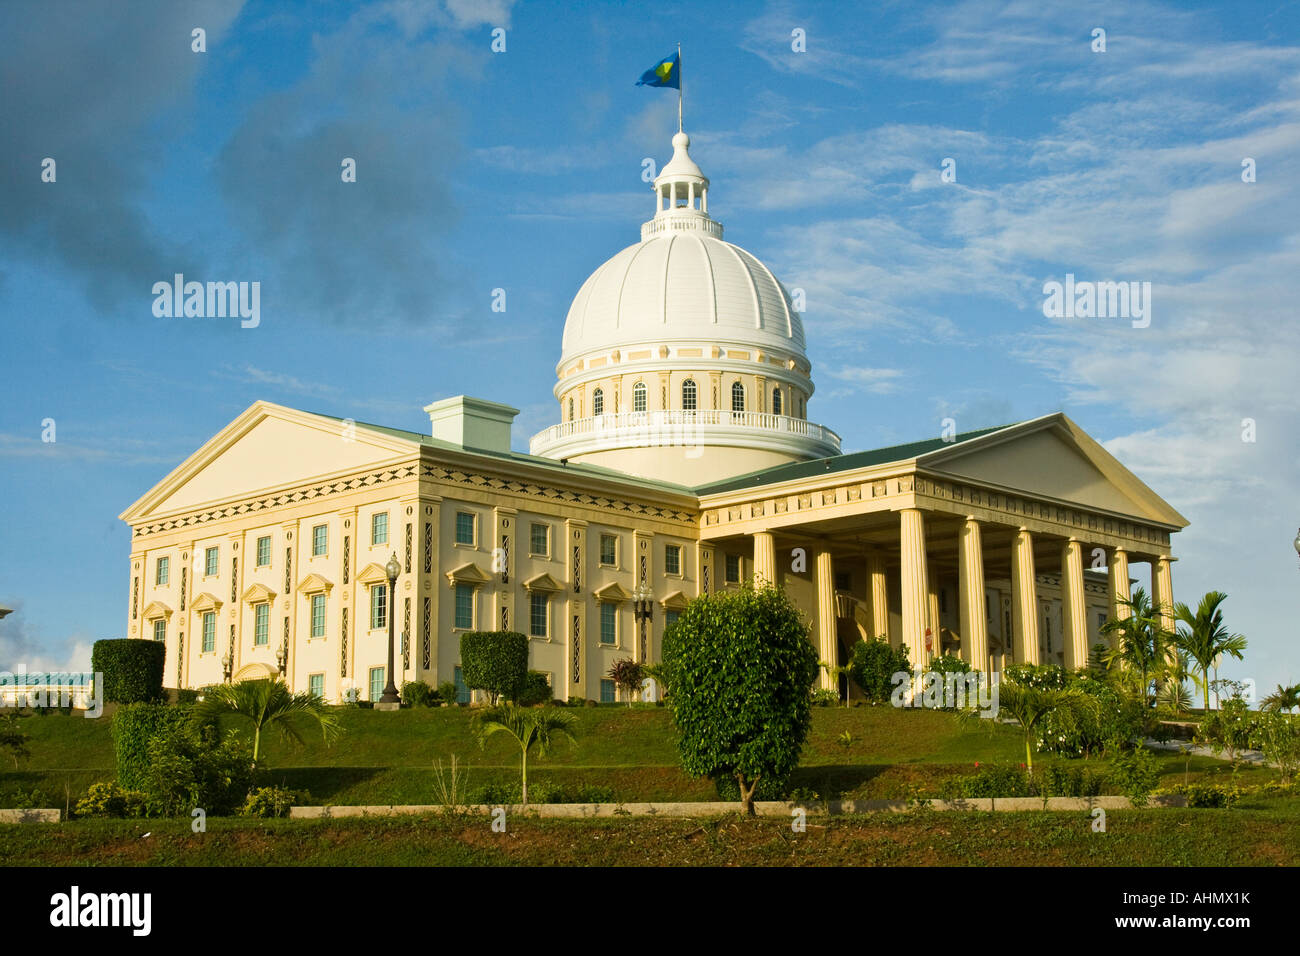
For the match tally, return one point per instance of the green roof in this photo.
(592, 471)
(837, 463)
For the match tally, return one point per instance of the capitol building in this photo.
(683, 461)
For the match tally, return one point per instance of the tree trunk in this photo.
(747, 795)
(524, 791)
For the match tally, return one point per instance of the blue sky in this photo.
(521, 170)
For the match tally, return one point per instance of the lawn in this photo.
(385, 758)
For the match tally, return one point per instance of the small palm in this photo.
(263, 704)
(530, 727)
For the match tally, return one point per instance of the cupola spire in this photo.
(681, 196)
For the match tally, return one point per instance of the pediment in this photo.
(468, 573)
(313, 583)
(267, 448)
(206, 601)
(543, 582)
(612, 593)
(156, 609)
(372, 573)
(1054, 458)
(674, 601)
(257, 594)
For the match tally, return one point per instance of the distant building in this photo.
(683, 462)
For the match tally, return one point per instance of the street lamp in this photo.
(391, 698)
(227, 663)
(1296, 542)
(282, 657)
(643, 604)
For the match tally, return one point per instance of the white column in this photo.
(934, 634)
(1024, 599)
(879, 595)
(764, 558)
(1162, 591)
(1119, 582)
(973, 613)
(913, 580)
(826, 630)
(1074, 615)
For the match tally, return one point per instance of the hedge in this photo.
(132, 669)
(134, 726)
(494, 661)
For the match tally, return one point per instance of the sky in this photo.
(520, 169)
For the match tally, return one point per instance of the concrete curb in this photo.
(761, 808)
(30, 816)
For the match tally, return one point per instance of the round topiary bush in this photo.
(132, 669)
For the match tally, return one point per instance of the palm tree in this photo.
(1030, 706)
(1140, 639)
(542, 726)
(1284, 699)
(1204, 638)
(263, 703)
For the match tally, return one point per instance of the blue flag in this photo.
(667, 72)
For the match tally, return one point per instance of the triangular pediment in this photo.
(468, 573)
(206, 602)
(674, 601)
(543, 582)
(612, 592)
(313, 583)
(373, 573)
(267, 448)
(257, 594)
(1054, 458)
(156, 609)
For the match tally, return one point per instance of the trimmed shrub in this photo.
(134, 726)
(270, 802)
(417, 693)
(447, 692)
(187, 695)
(536, 690)
(191, 768)
(494, 661)
(132, 669)
(110, 800)
(873, 667)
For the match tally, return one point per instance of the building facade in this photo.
(682, 462)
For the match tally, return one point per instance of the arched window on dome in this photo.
(737, 397)
(801, 408)
(638, 397)
(688, 395)
(570, 409)
(776, 401)
(598, 402)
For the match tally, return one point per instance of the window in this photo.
(465, 528)
(598, 402)
(608, 623)
(462, 689)
(464, 607)
(319, 540)
(609, 550)
(261, 624)
(210, 561)
(264, 551)
(688, 395)
(671, 618)
(162, 571)
(318, 615)
(209, 632)
(672, 559)
(737, 397)
(160, 629)
(607, 691)
(316, 685)
(1101, 620)
(570, 409)
(539, 603)
(376, 683)
(539, 540)
(638, 397)
(379, 528)
(733, 569)
(378, 606)
(776, 401)
(801, 411)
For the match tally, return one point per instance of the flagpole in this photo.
(680, 86)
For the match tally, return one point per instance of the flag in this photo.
(667, 72)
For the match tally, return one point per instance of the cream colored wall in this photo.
(694, 465)
(713, 391)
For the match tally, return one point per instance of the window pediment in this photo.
(156, 610)
(257, 594)
(206, 602)
(468, 573)
(612, 593)
(314, 583)
(543, 582)
(675, 601)
(373, 574)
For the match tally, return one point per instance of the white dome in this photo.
(681, 285)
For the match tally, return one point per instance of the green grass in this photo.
(385, 758)
(1262, 835)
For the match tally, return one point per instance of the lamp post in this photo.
(227, 664)
(390, 700)
(282, 658)
(643, 604)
